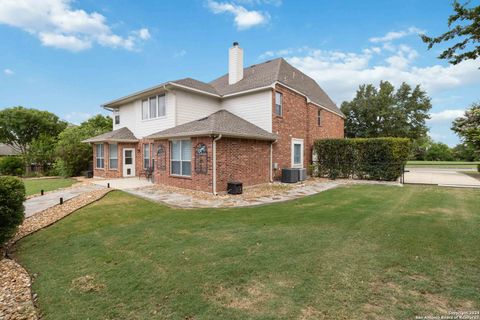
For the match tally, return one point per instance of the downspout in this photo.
(214, 165)
(271, 160)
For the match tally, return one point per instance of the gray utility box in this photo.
(289, 175)
(302, 174)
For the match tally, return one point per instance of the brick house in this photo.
(244, 126)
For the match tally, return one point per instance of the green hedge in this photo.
(12, 165)
(12, 195)
(361, 158)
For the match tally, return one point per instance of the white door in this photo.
(128, 162)
(297, 153)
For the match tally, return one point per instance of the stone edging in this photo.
(16, 299)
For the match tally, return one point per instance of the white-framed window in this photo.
(152, 155)
(278, 104)
(113, 156)
(297, 153)
(181, 158)
(153, 107)
(117, 119)
(319, 117)
(100, 157)
(146, 156)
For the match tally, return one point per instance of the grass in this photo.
(442, 164)
(34, 186)
(358, 252)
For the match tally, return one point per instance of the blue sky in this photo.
(69, 57)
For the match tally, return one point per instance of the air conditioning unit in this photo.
(302, 174)
(289, 175)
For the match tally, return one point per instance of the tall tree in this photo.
(385, 112)
(464, 27)
(20, 126)
(74, 155)
(468, 126)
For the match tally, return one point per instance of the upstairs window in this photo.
(319, 117)
(278, 104)
(153, 107)
(117, 119)
(100, 158)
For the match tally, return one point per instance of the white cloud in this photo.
(180, 53)
(394, 35)
(77, 117)
(446, 115)
(56, 24)
(8, 72)
(243, 18)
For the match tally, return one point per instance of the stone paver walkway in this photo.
(52, 198)
(186, 200)
(123, 183)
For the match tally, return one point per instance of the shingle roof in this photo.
(119, 135)
(221, 122)
(6, 150)
(196, 84)
(264, 74)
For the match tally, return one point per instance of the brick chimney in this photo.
(235, 64)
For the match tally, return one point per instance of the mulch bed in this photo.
(16, 300)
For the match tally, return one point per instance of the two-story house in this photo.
(244, 126)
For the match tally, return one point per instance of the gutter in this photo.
(214, 165)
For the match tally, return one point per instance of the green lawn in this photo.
(34, 186)
(358, 252)
(442, 164)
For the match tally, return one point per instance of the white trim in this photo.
(194, 90)
(246, 91)
(302, 151)
(181, 158)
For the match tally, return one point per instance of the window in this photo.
(152, 155)
(278, 104)
(146, 156)
(181, 157)
(297, 153)
(100, 163)
(145, 109)
(113, 156)
(117, 119)
(128, 157)
(161, 106)
(319, 117)
(153, 107)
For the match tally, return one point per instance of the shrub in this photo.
(12, 195)
(12, 165)
(362, 158)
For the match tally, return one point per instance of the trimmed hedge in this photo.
(361, 158)
(12, 195)
(12, 166)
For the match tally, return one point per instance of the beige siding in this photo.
(193, 106)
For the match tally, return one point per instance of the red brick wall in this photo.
(299, 120)
(242, 160)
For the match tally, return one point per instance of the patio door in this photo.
(128, 162)
(297, 153)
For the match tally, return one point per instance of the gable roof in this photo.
(221, 122)
(264, 74)
(6, 150)
(256, 76)
(119, 135)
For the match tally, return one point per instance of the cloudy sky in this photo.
(68, 57)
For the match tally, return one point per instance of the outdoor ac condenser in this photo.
(289, 175)
(302, 174)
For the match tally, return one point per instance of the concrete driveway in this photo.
(123, 183)
(441, 177)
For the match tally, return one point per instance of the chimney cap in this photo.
(235, 44)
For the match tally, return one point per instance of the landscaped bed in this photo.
(347, 253)
(35, 185)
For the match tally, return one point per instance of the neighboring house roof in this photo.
(221, 122)
(6, 150)
(264, 74)
(254, 77)
(119, 135)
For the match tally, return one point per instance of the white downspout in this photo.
(214, 165)
(271, 160)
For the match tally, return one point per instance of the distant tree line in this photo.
(45, 142)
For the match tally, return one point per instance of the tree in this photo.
(386, 113)
(468, 126)
(439, 152)
(465, 152)
(74, 155)
(42, 151)
(468, 32)
(20, 126)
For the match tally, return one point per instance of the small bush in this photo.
(12, 166)
(12, 195)
(369, 159)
